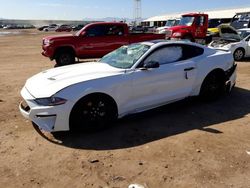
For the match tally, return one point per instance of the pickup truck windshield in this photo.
(125, 56)
(187, 20)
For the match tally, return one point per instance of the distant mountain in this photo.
(110, 19)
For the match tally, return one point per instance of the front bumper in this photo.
(48, 51)
(48, 118)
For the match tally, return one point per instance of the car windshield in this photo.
(187, 20)
(125, 56)
(244, 34)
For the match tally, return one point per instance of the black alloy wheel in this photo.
(92, 113)
(212, 87)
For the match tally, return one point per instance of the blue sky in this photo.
(79, 9)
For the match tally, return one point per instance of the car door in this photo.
(100, 40)
(171, 81)
(201, 27)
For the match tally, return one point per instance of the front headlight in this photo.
(50, 101)
(47, 42)
(228, 46)
(177, 34)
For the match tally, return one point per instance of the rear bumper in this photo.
(231, 77)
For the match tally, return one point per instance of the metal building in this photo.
(220, 13)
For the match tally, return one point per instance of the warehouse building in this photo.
(215, 14)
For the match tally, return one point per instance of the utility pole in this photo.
(137, 12)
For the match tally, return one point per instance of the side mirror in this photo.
(83, 34)
(151, 65)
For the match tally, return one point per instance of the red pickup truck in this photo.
(93, 41)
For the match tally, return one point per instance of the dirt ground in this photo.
(186, 144)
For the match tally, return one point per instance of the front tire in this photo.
(92, 113)
(213, 86)
(65, 58)
(239, 54)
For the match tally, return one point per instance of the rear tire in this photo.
(213, 86)
(65, 57)
(92, 113)
(239, 54)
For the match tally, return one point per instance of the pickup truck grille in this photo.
(168, 33)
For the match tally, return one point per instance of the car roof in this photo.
(161, 42)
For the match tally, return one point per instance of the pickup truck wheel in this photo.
(212, 87)
(92, 113)
(239, 54)
(65, 58)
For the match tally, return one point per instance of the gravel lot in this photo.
(186, 144)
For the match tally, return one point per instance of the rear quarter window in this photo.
(191, 51)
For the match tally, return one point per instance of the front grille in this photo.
(168, 33)
(25, 106)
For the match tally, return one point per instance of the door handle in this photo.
(189, 69)
(87, 47)
(186, 70)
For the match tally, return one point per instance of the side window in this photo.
(203, 20)
(248, 38)
(200, 21)
(165, 55)
(96, 31)
(115, 30)
(191, 51)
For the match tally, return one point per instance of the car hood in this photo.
(58, 37)
(179, 27)
(49, 82)
(163, 27)
(228, 33)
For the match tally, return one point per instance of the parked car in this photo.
(51, 28)
(93, 41)
(10, 26)
(236, 42)
(241, 20)
(138, 29)
(28, 26)
(64, 28)
(77, 27)
(131, 79)
(42, 27)
(214, 23)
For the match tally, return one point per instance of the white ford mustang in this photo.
(128, 80)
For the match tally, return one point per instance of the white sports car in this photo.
(237, 42)
(131, 79)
